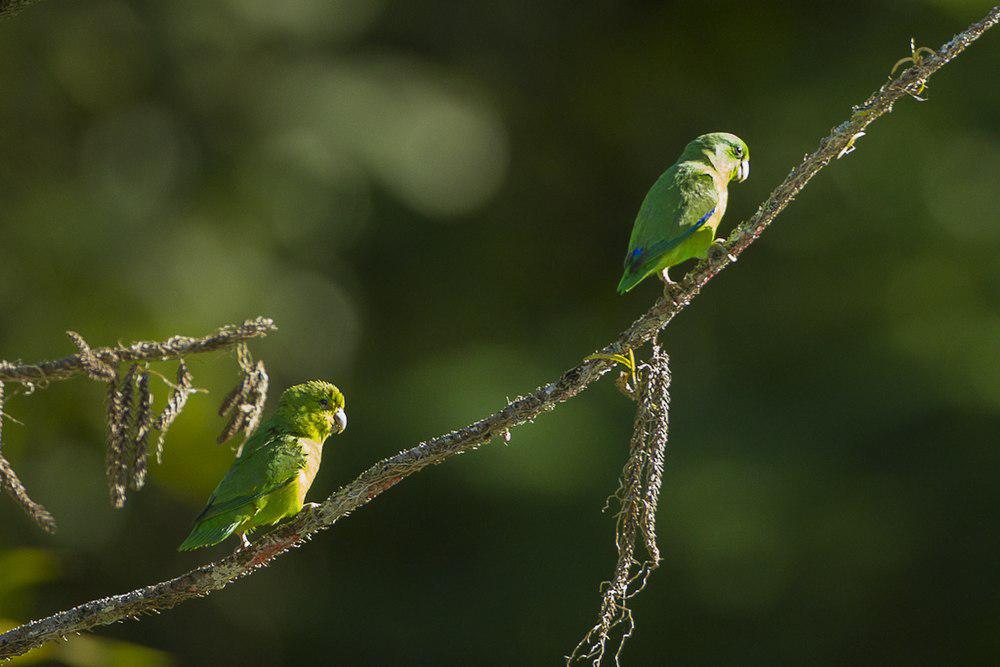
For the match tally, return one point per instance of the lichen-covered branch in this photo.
(388, 472)
(176, 347)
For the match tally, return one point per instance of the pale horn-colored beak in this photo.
(340, 418)
(743, 171)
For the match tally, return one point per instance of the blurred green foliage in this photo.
(432, 200)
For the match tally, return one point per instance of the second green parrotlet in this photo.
(679, 216)
(270, 480)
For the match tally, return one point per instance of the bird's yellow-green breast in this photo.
(681, 212)
(270, 480)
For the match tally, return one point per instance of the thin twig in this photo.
(15, 489)
(172, 348)
(387, 473)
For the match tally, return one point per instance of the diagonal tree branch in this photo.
(388, 472)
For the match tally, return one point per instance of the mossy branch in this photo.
(390, 471)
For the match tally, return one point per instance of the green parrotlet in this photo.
(279, 462)
(679, 216)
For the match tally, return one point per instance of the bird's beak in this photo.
(340, 419)
(743, 171)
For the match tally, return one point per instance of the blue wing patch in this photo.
(701, 221)
(635, 259)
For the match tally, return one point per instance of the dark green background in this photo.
(433, 200)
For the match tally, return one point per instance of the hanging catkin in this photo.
(143, 423)
(637, 498)
(119, 408)
(183, 388)
(244, 405)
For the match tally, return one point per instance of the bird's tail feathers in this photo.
(630, 280)
(209, 532)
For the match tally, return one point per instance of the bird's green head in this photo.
(726, 152)
(314, 409)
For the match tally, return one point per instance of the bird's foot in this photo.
(312, 506)
(719, 249)
(244, 542)
(674, 292)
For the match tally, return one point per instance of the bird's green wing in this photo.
(263, 435)
(273, 464)
(257, 473)
(680, 202)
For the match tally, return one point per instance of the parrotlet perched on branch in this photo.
(679, 216)
(270, 480)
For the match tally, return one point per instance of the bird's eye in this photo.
(324, 402)
(738, 151)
